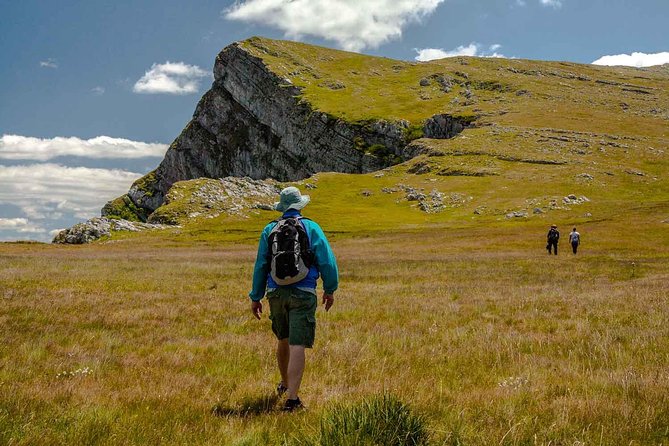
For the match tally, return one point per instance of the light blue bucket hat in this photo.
(291, 198)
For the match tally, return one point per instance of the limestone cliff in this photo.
(254, 123)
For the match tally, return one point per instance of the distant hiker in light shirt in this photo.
(292, 253)
(552, 239)
(575, 240)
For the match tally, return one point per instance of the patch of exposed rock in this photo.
(209, 198)
(99, 227)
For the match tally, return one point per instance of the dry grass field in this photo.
(453, 309)
(477, 329)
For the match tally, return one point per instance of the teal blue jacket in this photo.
(325, 264)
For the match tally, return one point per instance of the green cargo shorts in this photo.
(293, 315)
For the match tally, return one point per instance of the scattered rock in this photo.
(414, 195)
(635, 172)
(517, 214)
(432, 203)
(310, 186)
(366, 193)
(585, 176)
(573, 199)
(445, 83)
(537, 211)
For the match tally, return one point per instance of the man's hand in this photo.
(328, 300)
(256, 308)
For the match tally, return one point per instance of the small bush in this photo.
(383, 420)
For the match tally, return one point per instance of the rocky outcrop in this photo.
(443, 127)
(209, 198)
(96, 228)
(254, 123)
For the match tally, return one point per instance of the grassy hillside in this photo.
(510, 92)
(448, 299)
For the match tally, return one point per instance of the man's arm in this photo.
(260, 270)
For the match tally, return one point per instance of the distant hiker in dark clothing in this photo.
(293, 252)
(552, 238)
(575, 240)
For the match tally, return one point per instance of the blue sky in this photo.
(80, 70)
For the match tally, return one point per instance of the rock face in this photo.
(442, 127)
(252, 123)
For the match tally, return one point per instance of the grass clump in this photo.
(381, 420)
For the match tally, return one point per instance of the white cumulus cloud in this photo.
(16, 147)
(352, 24)
(634, 60)
(51, 191)
(21, 225)
(170, 78)
(473, 49)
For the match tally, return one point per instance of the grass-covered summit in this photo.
(513, 92)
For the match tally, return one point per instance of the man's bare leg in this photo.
(282, 358)
(295, 370)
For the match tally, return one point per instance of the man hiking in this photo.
(575, 240)
(552, 238)
(292, 253)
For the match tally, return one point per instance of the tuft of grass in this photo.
(248, 406)
(379, 420)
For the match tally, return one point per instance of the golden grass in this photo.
(477, 328)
